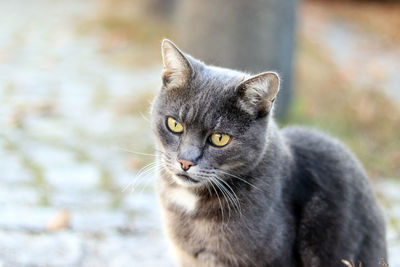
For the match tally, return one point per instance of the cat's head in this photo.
(210, 123)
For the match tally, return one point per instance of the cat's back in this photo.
(324, 165)
(312, 148)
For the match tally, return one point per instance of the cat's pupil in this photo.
(176, 123)
(220, 137)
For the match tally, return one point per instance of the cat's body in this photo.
(302, 197)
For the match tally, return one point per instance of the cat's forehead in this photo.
(219, 77)
(207, 104)
(199, 108)
(214, 85)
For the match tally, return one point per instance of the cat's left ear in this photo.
(177, 69)
(257, 94)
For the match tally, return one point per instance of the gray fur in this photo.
(300, 197)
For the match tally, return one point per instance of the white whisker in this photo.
(232, 194)
(223, 192)
(135, 152)
(144, 117)
(219, 200)
(241, 179)
(149, 167)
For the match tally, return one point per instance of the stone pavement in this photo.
(63, 140)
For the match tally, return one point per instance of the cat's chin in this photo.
(187, 181)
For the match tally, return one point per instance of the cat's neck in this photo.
(275, 151)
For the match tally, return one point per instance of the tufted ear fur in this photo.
(177, 69)
(257, 93)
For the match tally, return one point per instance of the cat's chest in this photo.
(183, 199)
(181, 209)
(192, 234)
(201, 239)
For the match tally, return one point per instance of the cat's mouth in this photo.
(186, 178)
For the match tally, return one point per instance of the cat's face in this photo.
(210, 123)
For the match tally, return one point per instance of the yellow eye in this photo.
(219, 139)
(174, 125)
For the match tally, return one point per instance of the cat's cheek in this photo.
(168, 140)
(237, 156)
(221, 156)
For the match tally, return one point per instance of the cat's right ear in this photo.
(177, 69)
(257, 93)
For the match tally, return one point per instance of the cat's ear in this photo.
(257, 94)
(177, 69)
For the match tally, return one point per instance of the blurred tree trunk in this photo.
(252, 36)
(162, 9)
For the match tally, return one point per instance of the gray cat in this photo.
(237, 191)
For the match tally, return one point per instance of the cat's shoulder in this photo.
(323, 163)
(309, 137)
(315, 143)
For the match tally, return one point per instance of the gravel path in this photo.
(61, 132)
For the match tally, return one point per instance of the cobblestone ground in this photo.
(63, 124)
(66, 128)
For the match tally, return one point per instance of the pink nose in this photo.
(185, 164)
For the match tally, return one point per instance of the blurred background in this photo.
(77, 77)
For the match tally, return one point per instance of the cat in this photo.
(235, 190)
